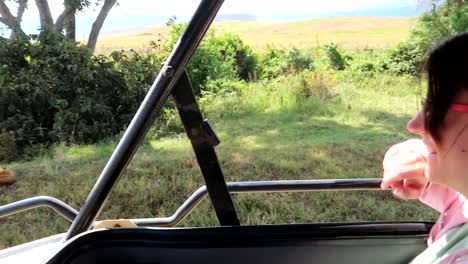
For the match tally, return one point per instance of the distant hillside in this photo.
(363, 31)
(239, 17)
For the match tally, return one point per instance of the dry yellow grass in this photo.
(346, 31)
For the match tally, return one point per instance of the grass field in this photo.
(354, 32)
(270, 130)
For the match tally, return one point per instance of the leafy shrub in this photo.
(405, 58)
(298, 60)
(459, 20)
(223, 86)
(447, 19)
(316, 84)
(8, 150)
(430, 28)
(275, 61)
(52, 90)
(24, 109)
(368, 60)
(301, 90)
(219, 56)
(168, 123)
(336, 60)
(366, 67)
(91, 107)
(138, 70)
(271, 62)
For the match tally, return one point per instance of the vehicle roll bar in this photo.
(263, 187)
(58, 206)
(197, 197)
(144, 118)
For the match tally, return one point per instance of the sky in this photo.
(137, 14)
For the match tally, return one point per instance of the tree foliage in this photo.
(445, 18)
(53, 91)
(219, 56)
(336, 60)
(276, 61)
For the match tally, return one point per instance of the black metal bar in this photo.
(146, 114)
(58, 206)
(197, 197)
(202, 143)
(266, 187)
(301, 185)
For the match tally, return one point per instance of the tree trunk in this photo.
(44, 14)
(459, 3)
(97, 25)
(70, 28)
(9, 20)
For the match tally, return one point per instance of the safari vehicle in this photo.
(156, 240)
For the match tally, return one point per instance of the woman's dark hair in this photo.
(446, 66)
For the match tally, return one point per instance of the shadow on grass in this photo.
(284, 144)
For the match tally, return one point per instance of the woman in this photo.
(435, 168)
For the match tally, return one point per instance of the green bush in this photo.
(368, 60)
(271, 62)
(223, 86)
(405, 58)
(8, 149)
(298, 60)
(168, 123)
(314, 84)
(219, 56)
(93, 106)
(274, 62)
(25, 92)
(430, 28)
(447, 19)
(336, 60)
(138, 70)
(459, 20)
(53, 91)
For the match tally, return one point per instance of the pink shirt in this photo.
(452, 206)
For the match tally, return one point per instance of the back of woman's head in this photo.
(446, 66)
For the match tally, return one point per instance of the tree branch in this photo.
(9, 20)
(5, 12)
(44, 13)
(97, 25)
(23, 4)
(69, 11)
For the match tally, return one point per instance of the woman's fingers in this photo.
(397, 174)
(409, 146)
(407, 193)
(402, 157)
(404, 169)
(409, 189)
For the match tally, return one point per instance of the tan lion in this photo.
(6, 176)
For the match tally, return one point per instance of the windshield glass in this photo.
(298, 91)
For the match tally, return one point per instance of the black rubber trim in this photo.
(237, 236)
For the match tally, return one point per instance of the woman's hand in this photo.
(404, 169)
